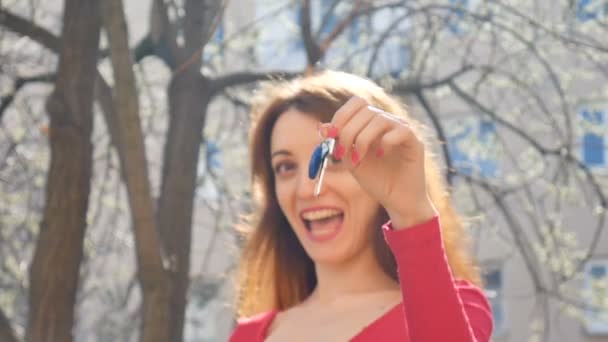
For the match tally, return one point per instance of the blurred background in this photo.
(124, 163)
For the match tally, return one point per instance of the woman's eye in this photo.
(333, 162)
(282, 167)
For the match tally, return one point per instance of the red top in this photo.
(435, 307)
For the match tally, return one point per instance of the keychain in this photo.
(318, 162)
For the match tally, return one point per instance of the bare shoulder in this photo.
(286, 316)
(287, 323)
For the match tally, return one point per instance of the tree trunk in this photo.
(189, 96)
(6, 331)
(54, 271)
(188, 104)
(152, 276)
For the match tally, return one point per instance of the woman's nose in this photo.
(305, 186)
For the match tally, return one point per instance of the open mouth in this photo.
(323, 224)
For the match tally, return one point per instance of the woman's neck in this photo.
(360, 275)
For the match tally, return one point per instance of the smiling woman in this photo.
(379, 254)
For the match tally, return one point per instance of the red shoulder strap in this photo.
(252, 328)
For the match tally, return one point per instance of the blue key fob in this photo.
(315, 162)
(318, 156)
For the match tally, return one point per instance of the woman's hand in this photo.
(386, 158)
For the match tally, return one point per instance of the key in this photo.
(318, 162)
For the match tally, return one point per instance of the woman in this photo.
(325, 268)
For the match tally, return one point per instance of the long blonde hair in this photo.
(275, 273)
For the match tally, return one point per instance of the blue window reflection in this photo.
(328, 18)
(596, 315)
(493, 281)
(587, 10)
(457, 15)
(469, 148)
(593, 140)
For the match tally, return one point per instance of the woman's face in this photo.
(335, 226)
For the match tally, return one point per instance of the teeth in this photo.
(320, 214)
(322, 231)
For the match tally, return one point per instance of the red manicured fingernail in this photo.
(379, 152)
(332, 132)
(354, 156)
(339, 152)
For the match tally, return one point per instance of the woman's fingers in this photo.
(349, 132)
(401, 136)
(344, 114)
(361, 129)
(368, 139)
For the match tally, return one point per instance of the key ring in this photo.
(318, 162)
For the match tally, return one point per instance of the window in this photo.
(592, 121)
(330, 14)
(210, 160)
(215, 46)
(461, 15)
(393, 57)
(279, 40)
(298, 42)
(596, 291)
(199, 326)
(218, 35)
(487, 137)
(472, 147)
(493, 280)
(213, 155)
(587, 10)
(354, 31)
(323, 16)
(399, 59)
(454, 19)
(328, 18)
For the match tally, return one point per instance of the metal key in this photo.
(318, 162)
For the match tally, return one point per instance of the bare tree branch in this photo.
(313, 50)
(241, 78)
(357, 9)
(7, 100)
(414, 87)
(103, 92)
(443, 140)
(28, 29)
